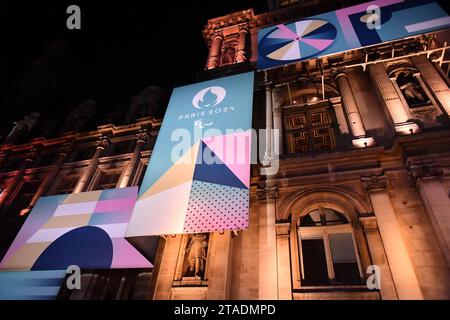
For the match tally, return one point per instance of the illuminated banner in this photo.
(84, 229)
(349, 28)
(199, 173)
(31, 285)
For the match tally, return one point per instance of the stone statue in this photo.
(228, 55)
(412, 90)
(196, 251)
(147, 103)
(79, 117)
(22, 126)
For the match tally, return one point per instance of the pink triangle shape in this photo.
(319, 44)
(234, 151)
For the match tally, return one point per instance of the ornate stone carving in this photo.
(103, 142)
(66, 148)
(422, 170)
(22, 126)
(374, 182)
(31, 154)
(142, 136)
(267, 193)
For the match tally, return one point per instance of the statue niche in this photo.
(195, 256)
(228, 55)
(79, 117)
(412, 90)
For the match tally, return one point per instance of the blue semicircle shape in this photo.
(88, 247)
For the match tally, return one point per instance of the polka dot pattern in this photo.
(215, 207)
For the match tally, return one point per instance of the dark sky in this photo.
(122, 47)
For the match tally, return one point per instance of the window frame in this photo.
(323, 233)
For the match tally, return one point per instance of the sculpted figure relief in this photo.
(196, 255)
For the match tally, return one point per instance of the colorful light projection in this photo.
(85, 229)
(348, 29)
(205, 187)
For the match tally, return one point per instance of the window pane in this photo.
(344, 259)
(334, 217)
(311, 219)
(314, 263)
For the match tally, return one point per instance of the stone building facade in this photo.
(363, 179)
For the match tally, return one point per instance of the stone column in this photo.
(142, 138)
(278, 121)
(284, 261)
(269, 125)
(216, 45)
(9, 189)
(219, 266)
(402, 269)
(268, 274)
(427, 177)
(165, 267)
(354, 117)
(378, 256)
(241, 50)
(48, 180)
(102, 144)
(434, 81)
(399, 112)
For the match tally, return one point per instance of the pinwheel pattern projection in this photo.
(347, 29)
(299, 40)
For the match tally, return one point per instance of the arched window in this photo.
(327, 246)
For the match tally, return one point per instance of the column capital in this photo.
(103, 142)
(369, 223)
(243, 28)
(423, 169)
(374, 182)
(267, 193)
(142, 136)
(341, 74)
(268, 85)
(283, 228)
(31, 154)
(217, 34)
(66, 148)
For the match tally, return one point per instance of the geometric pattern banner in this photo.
(205, 186)
(347, 29)
(85, 229)
(31, 285)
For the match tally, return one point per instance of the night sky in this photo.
(122, 48)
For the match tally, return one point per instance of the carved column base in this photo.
(407, 128)
(364, 142)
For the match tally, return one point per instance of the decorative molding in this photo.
(267, 193)
(422, 170)
(374, 182)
